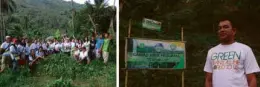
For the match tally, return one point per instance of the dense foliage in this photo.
(199, 20)
(59, 70)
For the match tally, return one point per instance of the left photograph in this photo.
(58, 43)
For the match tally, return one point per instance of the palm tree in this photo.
(101, 14)
(7, 6)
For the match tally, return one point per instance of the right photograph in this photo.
(189, 43)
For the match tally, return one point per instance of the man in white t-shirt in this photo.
(230, 64)
(5, 46)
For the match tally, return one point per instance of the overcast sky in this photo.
(110, 2)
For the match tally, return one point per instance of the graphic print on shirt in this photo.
(226, 60)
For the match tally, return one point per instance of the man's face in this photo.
(35, 41)
(106, 35)
(226, 32)
(8, 40)
(26, 40)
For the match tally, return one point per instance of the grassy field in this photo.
(59, 70)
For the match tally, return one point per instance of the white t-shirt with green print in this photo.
(229, 65)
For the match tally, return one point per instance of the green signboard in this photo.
(155, 54)
(151, 24)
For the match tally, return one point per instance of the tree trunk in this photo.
(2, 27)
(72, 15)
(121, 5)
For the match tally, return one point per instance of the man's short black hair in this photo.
(227, 18)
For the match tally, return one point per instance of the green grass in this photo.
(59, 70)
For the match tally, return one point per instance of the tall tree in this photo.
(7, 6)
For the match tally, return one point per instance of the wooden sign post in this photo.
(126, 41)
(182, 73)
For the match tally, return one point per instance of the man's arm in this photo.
(251, 79)
(208, 81)
(251, 67)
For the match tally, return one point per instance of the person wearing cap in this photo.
(83, 55)
(15, 53)
(105, 47)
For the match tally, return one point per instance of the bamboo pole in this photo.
(129, 34)
(182, 73)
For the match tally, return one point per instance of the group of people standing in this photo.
(15, 52)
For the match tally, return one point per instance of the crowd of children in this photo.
(15, 52)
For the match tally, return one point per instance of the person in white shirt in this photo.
(44, 46)
(57, 47)
(66, 46)
(83, 56)
(51, 47)
(33, 48)
(86, 43)
(230, 64)
(15, 53)
(73, 44)
(76, 52)
(22, 49)
(79, 44)
(39, 55)
(5, 47)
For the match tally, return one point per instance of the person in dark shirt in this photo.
(91, 51)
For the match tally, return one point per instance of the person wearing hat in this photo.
(83, 55)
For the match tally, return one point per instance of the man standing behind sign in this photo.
(230, 64)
